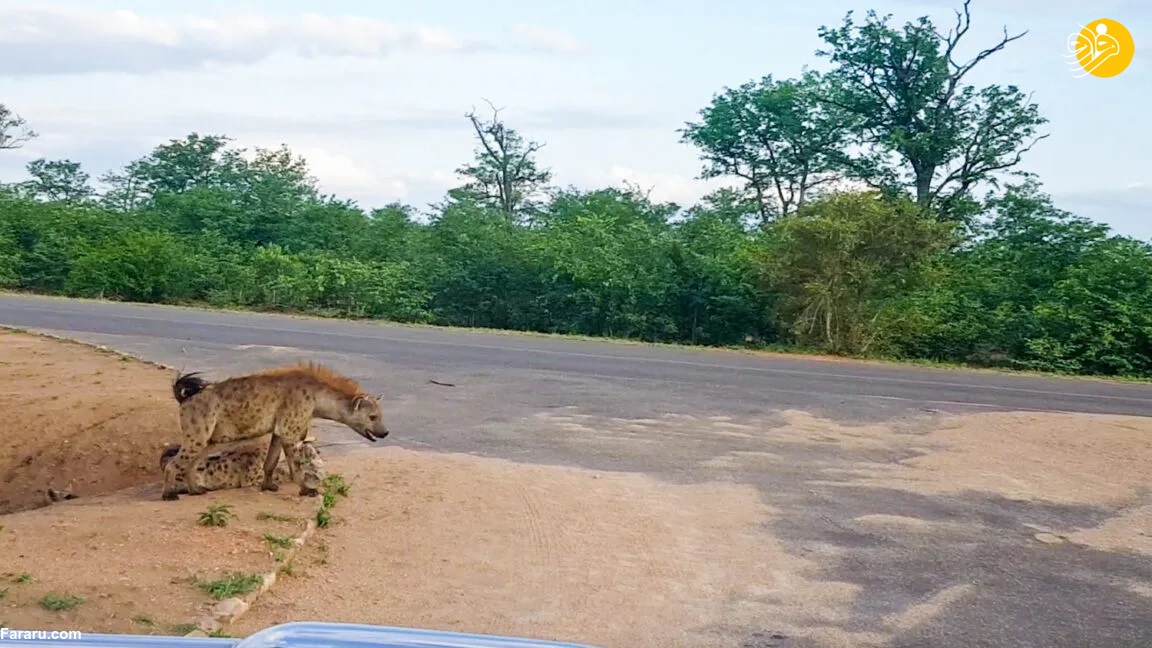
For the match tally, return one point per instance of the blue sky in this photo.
(374, 93)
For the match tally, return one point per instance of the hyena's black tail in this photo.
(188, 385)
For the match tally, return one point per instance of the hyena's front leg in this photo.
(196, 429)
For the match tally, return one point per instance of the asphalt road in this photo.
(839, 389)
(509, 393)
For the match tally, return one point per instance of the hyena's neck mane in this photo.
(332, 390)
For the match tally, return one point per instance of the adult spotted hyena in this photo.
(220, 416)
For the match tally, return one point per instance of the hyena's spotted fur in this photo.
(243, 467)
(221, 416)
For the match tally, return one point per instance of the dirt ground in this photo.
(76, 417)
(135, 562)
(470, 544)
(79, 418)
(459, 542)
(456, 542)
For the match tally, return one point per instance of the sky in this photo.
(374, 94)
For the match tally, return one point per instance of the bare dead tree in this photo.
(14, 130)
(504, 172)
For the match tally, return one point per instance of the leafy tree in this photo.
(391, 233)
(843, 264)
(730, 205)
(1041, 288)
(278, 195)
(139, 266)
(195, 161)
(611, 272)
(774, 135)
(57, 181)
(917, 123)
(200, 210)
(125, 189)
(716, 298)
(9, 259)
(49, 237)
(484, 270)
(504, 174)
(1098, 318)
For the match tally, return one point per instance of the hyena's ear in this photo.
(359, 402)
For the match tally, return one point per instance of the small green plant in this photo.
(273, 540)
(323, 517)
(322, 546)
(232, 584)
(183, 628)
(335, 483)
(144, 620)
(217, 515)
(59, 603)
(219, 632)
(274, 516)
(23, 577)
(334, 487)
(278, 544)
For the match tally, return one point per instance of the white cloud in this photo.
(340, 174)
(546, 39)
(373, 187)
(663, 187)
(39, 38)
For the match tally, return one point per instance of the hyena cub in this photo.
(244, 467)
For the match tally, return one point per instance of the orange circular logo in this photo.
(1102, 48)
